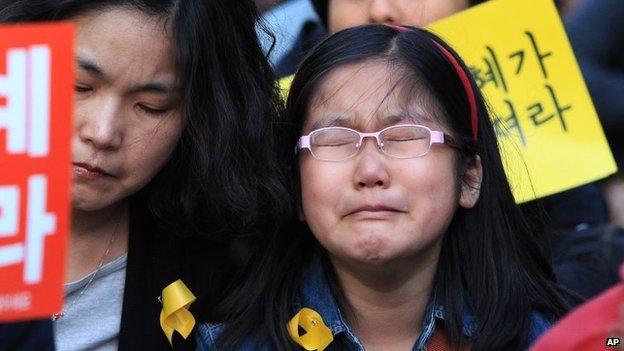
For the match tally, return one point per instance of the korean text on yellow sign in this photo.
(517, 50)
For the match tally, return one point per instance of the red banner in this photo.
(36, 100)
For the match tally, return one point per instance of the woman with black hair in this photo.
(409, 235)
(173, 160)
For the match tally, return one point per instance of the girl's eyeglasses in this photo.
(399, 141)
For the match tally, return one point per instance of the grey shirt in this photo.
(92, 321)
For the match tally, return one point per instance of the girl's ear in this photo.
(471, 184)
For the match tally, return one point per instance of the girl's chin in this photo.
(373, 256)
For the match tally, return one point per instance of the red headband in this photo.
(474, 121)
(398, 28)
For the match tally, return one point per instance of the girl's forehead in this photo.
(370, 94)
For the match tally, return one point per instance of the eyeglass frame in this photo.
(435, 137)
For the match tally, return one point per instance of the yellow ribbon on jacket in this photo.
(317, 336)
(176, 298)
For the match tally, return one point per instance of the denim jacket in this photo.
(315, 294)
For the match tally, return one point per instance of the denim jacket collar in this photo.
(316, 294)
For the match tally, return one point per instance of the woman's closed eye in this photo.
(80, 88)
(152, 110)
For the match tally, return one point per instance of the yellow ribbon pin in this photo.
(176, 298)
(317, 336)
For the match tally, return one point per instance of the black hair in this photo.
(223, 178)
(490, 261)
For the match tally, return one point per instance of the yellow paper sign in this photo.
(518, 52)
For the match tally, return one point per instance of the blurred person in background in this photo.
(295, 28)
(596, 31)
(598, 324)
(334, 15)
(298, 30)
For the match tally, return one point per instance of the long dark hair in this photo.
(490, 258)
(222, 177)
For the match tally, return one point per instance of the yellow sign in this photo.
(518, 52)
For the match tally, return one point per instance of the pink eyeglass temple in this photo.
(437, 137)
